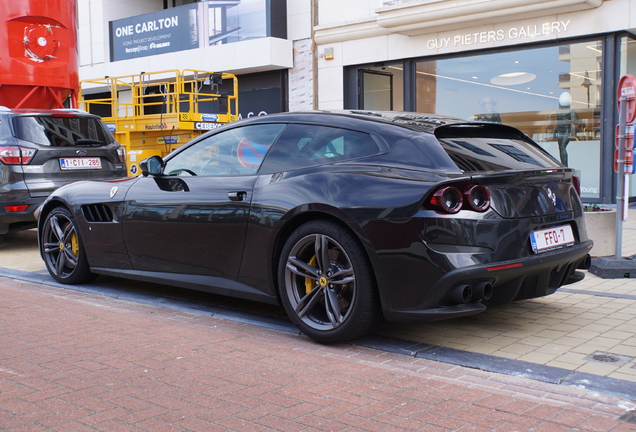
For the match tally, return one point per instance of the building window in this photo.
(382, 87)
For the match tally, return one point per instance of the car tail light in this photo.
(121, 152)
(447, 199)
(16, 208)
(16, 155)
(576, 183)
(476, 198)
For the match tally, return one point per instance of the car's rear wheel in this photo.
(326, 283)
(63, 250)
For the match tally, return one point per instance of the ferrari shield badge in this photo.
(113, 191)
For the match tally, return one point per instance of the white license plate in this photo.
(551, 238)
(80, 163)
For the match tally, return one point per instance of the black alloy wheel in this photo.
(326, 283)
(63, 250)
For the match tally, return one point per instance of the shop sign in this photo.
(207, 126)
(165, 31)
(512, 34)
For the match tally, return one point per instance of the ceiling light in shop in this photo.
(513, 78)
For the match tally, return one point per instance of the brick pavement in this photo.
(73, 361)
(571, 329)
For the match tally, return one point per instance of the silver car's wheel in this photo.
(327, 286)
(62, 248)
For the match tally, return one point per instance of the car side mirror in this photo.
(153, 165)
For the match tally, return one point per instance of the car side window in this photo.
(301, 146)
(236, 151)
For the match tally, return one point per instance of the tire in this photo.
(326, 284)
(62, 248)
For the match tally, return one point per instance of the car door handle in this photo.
(237, 196)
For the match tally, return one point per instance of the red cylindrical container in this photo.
(38, 53)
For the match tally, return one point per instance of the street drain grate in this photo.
(608, 358)
(605, 358)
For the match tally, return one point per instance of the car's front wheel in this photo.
(63, 250)
(326, 283)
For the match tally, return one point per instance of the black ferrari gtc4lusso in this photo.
(346, 218)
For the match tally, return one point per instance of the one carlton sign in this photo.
(169, 30)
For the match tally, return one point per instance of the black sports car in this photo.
(344, 217)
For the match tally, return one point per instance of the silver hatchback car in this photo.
(41, 150)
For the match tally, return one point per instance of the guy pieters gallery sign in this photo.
(511, 34)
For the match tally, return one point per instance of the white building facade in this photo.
(550, 68)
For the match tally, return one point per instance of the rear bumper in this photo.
(18, 220)
(530, 277)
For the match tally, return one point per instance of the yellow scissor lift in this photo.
(154, 113)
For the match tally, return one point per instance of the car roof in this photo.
(418, 121)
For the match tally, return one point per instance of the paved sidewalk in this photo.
(73, 361)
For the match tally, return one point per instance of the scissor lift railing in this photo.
(153, 113)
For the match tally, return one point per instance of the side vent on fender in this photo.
(97, 213)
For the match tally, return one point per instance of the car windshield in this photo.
(61, 131)
(492, 148)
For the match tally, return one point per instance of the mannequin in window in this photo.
(488, 111)
(565, 129)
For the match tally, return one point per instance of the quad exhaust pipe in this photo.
(465, 293)
(483, 290)
(585, 263)
(462, 294)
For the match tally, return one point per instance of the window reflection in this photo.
(553, 94)
(236, 20)
(301, 146)
(237, 151)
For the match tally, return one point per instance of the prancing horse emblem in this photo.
(552, 196)
(113, 191)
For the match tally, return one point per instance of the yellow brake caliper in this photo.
(309, 283)
(74, 244)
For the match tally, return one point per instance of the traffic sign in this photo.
(629, 136)
(627, 93)
(629, 161)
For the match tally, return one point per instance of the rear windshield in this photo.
(61, 131)
(492, 148)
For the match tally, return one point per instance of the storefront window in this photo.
(553, 94)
